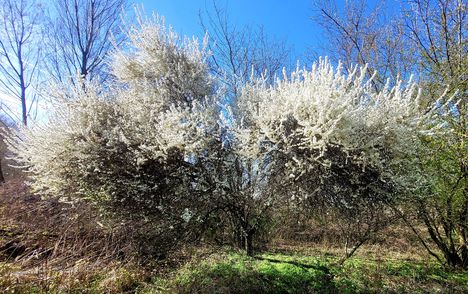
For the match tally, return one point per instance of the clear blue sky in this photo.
(289, 20)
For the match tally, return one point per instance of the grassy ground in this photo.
(48, 247)
(233, 272)
(298, 273)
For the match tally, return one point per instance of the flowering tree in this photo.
(154, 144)
(242, 192)
(338, 142)
(129, 146)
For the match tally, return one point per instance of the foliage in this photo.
(443, 204)
(86, 258)
(428, 38)
(316, 110)
(104, 140)
(241, 274)
(128, 148)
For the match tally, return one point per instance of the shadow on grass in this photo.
(297, 263)
(240, 274)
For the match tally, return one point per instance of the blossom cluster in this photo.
(138, 141)
(309, 113)
(120, 143)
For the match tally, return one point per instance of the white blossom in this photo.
(162, 99)
(310, 111)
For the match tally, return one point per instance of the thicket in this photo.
(160, 145)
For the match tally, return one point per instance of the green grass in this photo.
(237, 273)
(399, 276)
(234, 272)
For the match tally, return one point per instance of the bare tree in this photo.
(431, 42)
(438, 30)
(366, 36)
(19, 54)
(82, 35)
(239, 52)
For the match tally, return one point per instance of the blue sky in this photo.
(281, 19)
(288, 20)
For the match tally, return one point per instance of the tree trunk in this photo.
(464, 255)
(249, 242)
(2, 178)
(453, 259)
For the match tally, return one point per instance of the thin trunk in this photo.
(453, 259)
(24, 107)
(249, 243)
(2, 178)
(349, 253)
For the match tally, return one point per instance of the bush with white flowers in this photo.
(337, 144)
(126, 144)
(156, 139)
(316, 116)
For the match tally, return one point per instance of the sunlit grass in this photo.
(234, 272)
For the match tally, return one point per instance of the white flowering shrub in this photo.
(154, 143)
(128, 145)
(340, 146)
(313, 115)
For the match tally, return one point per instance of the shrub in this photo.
(151, 145)
(128, 146)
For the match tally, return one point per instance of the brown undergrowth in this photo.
(48, 245)
(51, 246)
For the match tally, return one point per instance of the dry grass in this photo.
(45, 244)
(397, 239)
